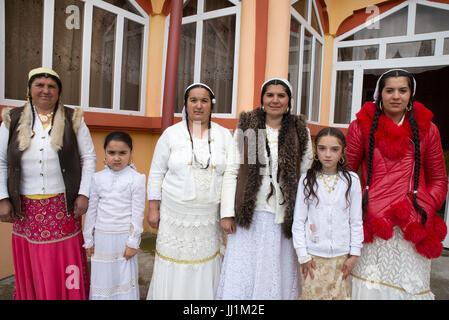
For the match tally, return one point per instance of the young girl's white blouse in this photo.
(338, 227)
(116, 205)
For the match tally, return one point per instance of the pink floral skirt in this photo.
(49, 260)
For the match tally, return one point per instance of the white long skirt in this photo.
(260, 263)
(112, 276)
(188, 253)
(391, 270)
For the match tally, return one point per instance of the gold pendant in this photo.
(45, 117)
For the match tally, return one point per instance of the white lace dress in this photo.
(260, 263)
(189, 242)
(391, 270)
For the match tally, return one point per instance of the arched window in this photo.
(305, 58)
(97, 48)
(413, 35)
(208, 51)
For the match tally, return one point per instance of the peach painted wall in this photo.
(247, 52)
(278, 38)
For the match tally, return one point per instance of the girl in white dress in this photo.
(327, 226)
(184, 191)
(113, 223)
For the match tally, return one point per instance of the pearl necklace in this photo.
(329, 181)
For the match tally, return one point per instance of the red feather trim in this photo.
(430, 246)
(383, 228)
(439, 227)
(415, 232)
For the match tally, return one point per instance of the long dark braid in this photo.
(365, 198)
(281, 137)
(417, 166)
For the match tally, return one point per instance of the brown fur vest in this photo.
(290, 152)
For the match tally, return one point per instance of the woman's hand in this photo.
(348, 266)
(80, 207)
(90, 251)
(154, 215)
(129, 253)
(307, 268)
(228, 224)
(6, 211)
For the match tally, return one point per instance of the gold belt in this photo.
(187, 261)
(388, 285)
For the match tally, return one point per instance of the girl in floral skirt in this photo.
(327, 226)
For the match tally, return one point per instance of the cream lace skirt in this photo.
(327, 283)
(391, 270)
(188, 253)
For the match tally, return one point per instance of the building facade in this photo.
(127, 62)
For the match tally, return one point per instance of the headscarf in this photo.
(284, 81)
(44, 72)
(376, 92)
(196, 84)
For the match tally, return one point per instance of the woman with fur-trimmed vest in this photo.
(47, 159)
(271, 148)
(405, 183)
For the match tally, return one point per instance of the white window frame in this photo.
(47, 52)
(199, 18)
(306, 24)
(438, 59)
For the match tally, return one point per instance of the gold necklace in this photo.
(45, 117)
(327, 181)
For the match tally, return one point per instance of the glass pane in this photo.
(430, 19)
(131, 66)
(211, 5)
(190, 8)
(217, 63)
(314, 22)
(343, 96)
(102, 59)
(124, 4)
(293, 61)
(446, 46)
(307, 58)
(393, 25)
(411, 49)
(358, 53)
(316, 82)
(301, 7)
(23, 44)
(186, 63)
(67, 48)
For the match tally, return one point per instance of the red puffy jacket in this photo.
(392, 177)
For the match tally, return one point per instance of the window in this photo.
(305, 59)
(413, 35)
(97, 48)
(208, 51)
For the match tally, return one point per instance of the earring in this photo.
(342, 161)
(263, 109)
(315, 157)
(381, 105)
(409, 107)
(104, 161)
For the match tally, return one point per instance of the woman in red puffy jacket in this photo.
(404, 182)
